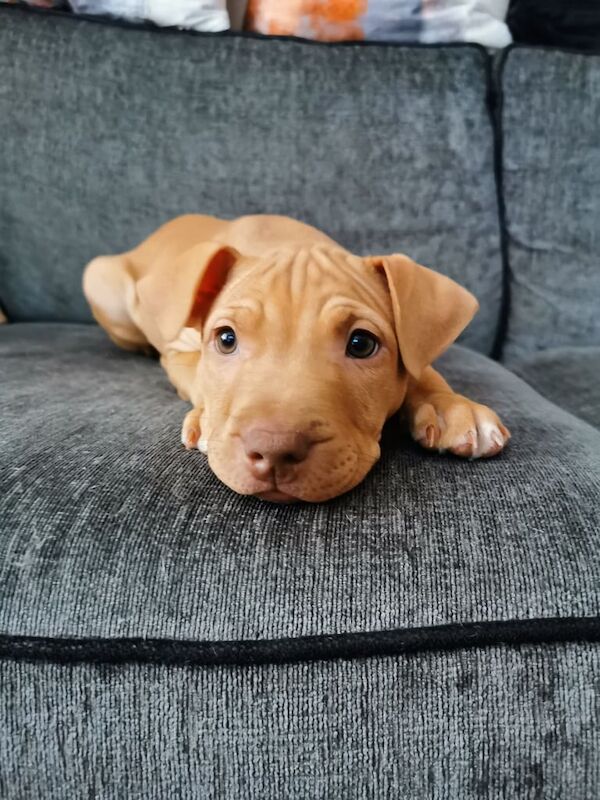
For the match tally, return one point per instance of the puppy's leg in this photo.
(440, 419)
(110, 290)
(191, 433)
(181, 371)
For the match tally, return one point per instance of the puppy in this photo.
(292, 351)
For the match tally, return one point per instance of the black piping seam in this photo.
(495, 109)
(348, 646)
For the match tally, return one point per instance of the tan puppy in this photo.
(292, 351)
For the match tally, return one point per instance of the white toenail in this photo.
(490, 437)
(203, 445)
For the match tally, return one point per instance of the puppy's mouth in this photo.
(275, 495)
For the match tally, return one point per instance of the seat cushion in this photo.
(385, 148)
(108, 528)
(569, 376)
(551, 173)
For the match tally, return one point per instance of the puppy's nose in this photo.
(268, 450)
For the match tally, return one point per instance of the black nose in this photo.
(272, 450)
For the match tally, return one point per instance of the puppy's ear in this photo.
(181, 297)
(430, 310)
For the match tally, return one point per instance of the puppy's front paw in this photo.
(450, 422)
(190, 431)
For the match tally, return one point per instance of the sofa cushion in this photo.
(386, 148)
(569, 376)
(551, 162)
(108, 528)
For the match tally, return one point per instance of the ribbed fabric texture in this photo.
(500, 723)
(385, 148)
(109, 528)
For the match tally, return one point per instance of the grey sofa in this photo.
(434, 633)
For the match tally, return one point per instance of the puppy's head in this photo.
(305, 354)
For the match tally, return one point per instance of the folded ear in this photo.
(430, 310)
(181, 297)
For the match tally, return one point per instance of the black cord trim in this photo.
(495, 109)
(168, 652)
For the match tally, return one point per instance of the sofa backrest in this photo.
(551, 176)
(109, 131)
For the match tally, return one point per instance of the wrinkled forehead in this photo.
(304, 279)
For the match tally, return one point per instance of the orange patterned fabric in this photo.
(327, 20)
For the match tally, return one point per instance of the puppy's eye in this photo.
(362, 344)
(226, 340)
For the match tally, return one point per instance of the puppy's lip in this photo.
(276, 496)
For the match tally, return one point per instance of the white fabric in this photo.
(198, 15)
(480, 21)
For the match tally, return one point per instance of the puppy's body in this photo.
(295, 409)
